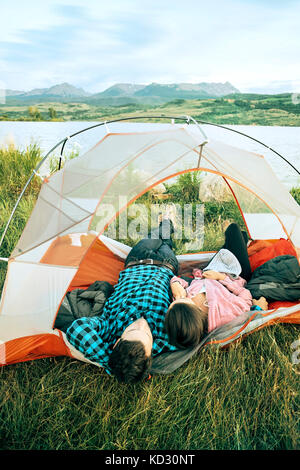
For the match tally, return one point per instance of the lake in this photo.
(285, 140)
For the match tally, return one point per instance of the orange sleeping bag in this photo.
(261, 251)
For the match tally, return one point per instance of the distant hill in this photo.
(120, 89)
(121, 93)
(61, 92)
(66, 90)
(157, 93)
(13, 92)
(187, 90)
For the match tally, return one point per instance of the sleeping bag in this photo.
(277, 279)
(83, 303)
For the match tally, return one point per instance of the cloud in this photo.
(95, 44)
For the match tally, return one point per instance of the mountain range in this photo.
(120, 93)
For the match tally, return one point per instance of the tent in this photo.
(65, 243)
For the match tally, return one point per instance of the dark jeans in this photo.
(236, 242)
(158, 246)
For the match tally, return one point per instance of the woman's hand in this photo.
(261, 302)
(178, 291)
(214, 275)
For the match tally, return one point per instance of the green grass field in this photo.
(244, 397)
(246, 109)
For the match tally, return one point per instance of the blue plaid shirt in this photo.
(142, 291)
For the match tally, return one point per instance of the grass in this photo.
(246, 397)
(246, 109)
(243, 398)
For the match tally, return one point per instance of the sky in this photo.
(93, 44)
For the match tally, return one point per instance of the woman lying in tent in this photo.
(215, 296)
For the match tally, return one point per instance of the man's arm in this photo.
(88, 335)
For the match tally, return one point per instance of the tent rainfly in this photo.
(63, 245)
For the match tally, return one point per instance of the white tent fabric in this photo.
(123, 165)
(120, 165)
(32, 294)
(247, 170)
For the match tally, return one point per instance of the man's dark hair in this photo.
(128, 361)
(185, 325)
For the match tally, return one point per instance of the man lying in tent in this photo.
(130, 329)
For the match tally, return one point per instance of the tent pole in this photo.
(252, 138)
(200, 155)
(188, 119)
(181, 118)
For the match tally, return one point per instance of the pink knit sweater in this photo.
(226, 299)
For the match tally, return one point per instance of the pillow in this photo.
(261, 251)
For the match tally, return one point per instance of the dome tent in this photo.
(63, 245)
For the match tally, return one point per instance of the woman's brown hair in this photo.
(185, 325)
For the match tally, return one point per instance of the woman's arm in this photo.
(178, 287)
(236, 287)
(214, 275)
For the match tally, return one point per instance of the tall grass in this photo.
(16, 166)
(244, 397)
